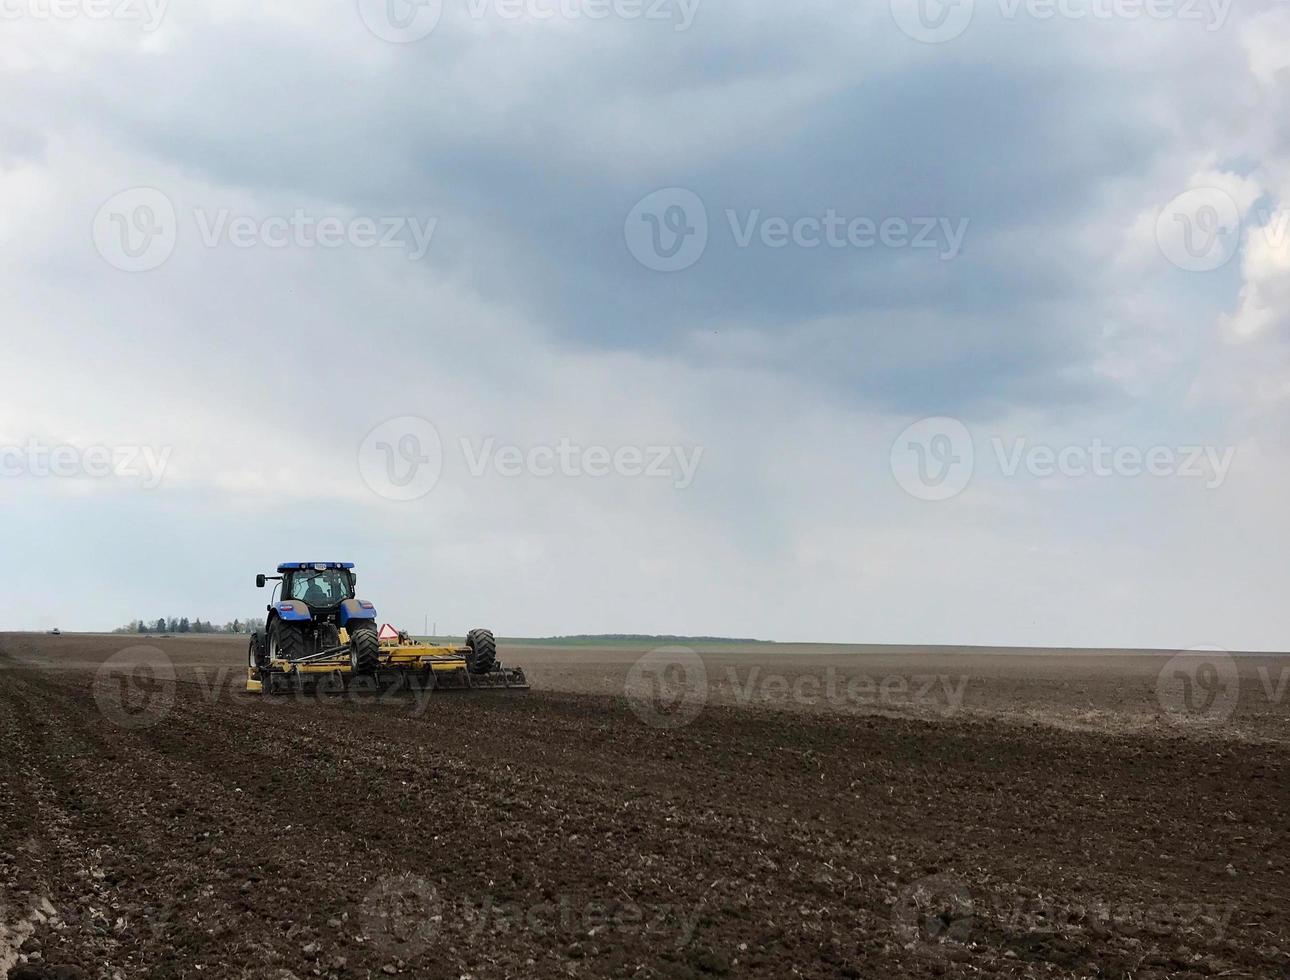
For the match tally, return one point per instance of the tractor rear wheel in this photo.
(286, 642)
(483, 651)
(364, 648)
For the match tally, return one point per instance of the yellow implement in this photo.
(401, 664)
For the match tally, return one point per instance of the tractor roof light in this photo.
(321, 566)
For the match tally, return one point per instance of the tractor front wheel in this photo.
(364, 649)
(483, 651)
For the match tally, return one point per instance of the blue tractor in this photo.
(319, 635)
(316, 601)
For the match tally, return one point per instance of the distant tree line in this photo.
(174, 624)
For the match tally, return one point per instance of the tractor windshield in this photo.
(325, 588)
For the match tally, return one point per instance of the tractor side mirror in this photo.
(259, 581)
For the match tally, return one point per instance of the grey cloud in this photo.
(531, 183)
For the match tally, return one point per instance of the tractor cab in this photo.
(323, 588)
(321, 585)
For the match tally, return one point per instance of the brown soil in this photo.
(1053, 824)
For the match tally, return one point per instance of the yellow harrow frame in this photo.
(404, 664)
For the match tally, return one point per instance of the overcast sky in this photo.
(865, 322)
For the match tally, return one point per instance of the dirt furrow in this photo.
(559, 835)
